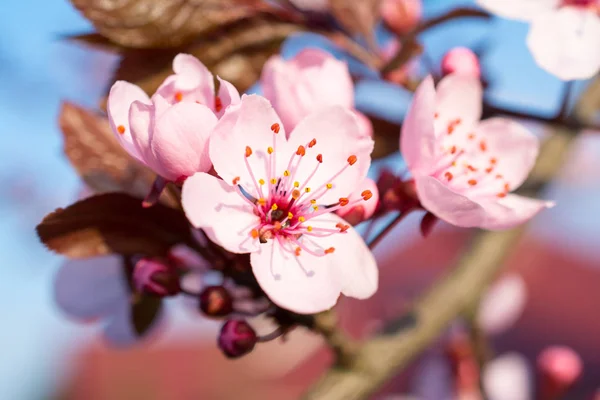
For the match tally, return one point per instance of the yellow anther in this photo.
(301, 219)
(261, 182)
(274, 207)
(290, 215)
(262, 201)
(273, 181)
(315, 208)
(313, 201)
(296, 184)
(270, 150)
(309, 228)
(329, 186)
(286, 173)
(307, 190)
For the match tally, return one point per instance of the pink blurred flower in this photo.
(507, 377)
(307, 83)
(169, 132)
(363, 210)
(502, 305)
(564, 38)
(464, 169)
(461, 60)
(277, 199)
(559, 368)
(402, 16)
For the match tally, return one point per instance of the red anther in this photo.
(329, 250)
(471, 168)
(320, 158)
(297, 251)
(506, 187)
(453, 150)
(436, 115)
(254, 233)
(236, 180)
(366, 194)
(312, 143)
(178, 96)
(121, 129)
(352, 159)
(489, 170)
(448, 175)
(452, 125)
(342, 227)
(483, 146)
(472, 182)
(295, 194)
(493, 161)
(343, 201)
(301, 151)
(501, 195)
(471, 136)
(275, 127)
(218, 104)
(499, 176)
(248, 151)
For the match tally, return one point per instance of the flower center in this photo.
(286, 205)
(467, 164)
(592, 5)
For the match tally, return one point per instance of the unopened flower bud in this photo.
(462, 61)
(155, 277)
(559, 368)
(402, 16)
(216, 301)
(364, 206)
(237, 338)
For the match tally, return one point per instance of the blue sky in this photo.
(37, 71)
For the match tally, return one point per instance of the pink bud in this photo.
(155, 277)
(237, 338)
(402, 16)
(461, 60)
(559, 368)
(427, 223)
(216, 301)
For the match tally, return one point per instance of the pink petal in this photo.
(510, 211)
(141, 120)
(448, 205)
(278, 80)
(122, 95)
(566, 42)
(228, 95)
(507, 378)
(513, 146)
(458, 97)
(366, 127)
(91, 288)
(247, 125)
(310, 287)
(216, 207)
(502, 305)
(338, 137)
(417, 139)
(519, 9)
(192, 81)
(180, 140)
(368, 207)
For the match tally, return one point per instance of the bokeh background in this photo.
(44, 355)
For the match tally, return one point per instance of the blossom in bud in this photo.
(277, 197)
(564, 36)
(462, 61)
(559, 368)
(464, 170)
(363, 210)
(402, 16)
(507, 377)
(309, 82)
(216, 301)
(237, 338)
(155, 277)
(169, 132)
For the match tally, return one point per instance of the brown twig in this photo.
(344, 348)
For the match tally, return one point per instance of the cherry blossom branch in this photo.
(384, 356)
(344, 348)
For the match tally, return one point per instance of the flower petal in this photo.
(306, 284)
(417, 139)
(366, 127)
(216, 207)
(228, 95)
(91, 288)
(513, 146)
(566, 42)
(448, 205)
(507, 377)
(502, 305)
(246, 125)
(122, 95)
(280, 84)
(510, 211)
(192, 81)
(458, 97)
(519, 9)
(180, 140)
(338, 137)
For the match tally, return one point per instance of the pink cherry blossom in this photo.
(402, 16)
(564, 38)
(277, 198)
(169, 132)
(464, 169)
(461, 60)
(307, 83)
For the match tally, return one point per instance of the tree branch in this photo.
(384, 356)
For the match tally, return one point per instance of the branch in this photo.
(382, 357)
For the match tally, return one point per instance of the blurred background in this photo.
(44, 355)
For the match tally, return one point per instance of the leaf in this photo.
(161, 23)
(98, 157)
(144, 311)
(357, 16)
(113, 223)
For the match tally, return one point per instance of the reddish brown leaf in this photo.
(113, 223)
(144, 311)
(161, 23)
